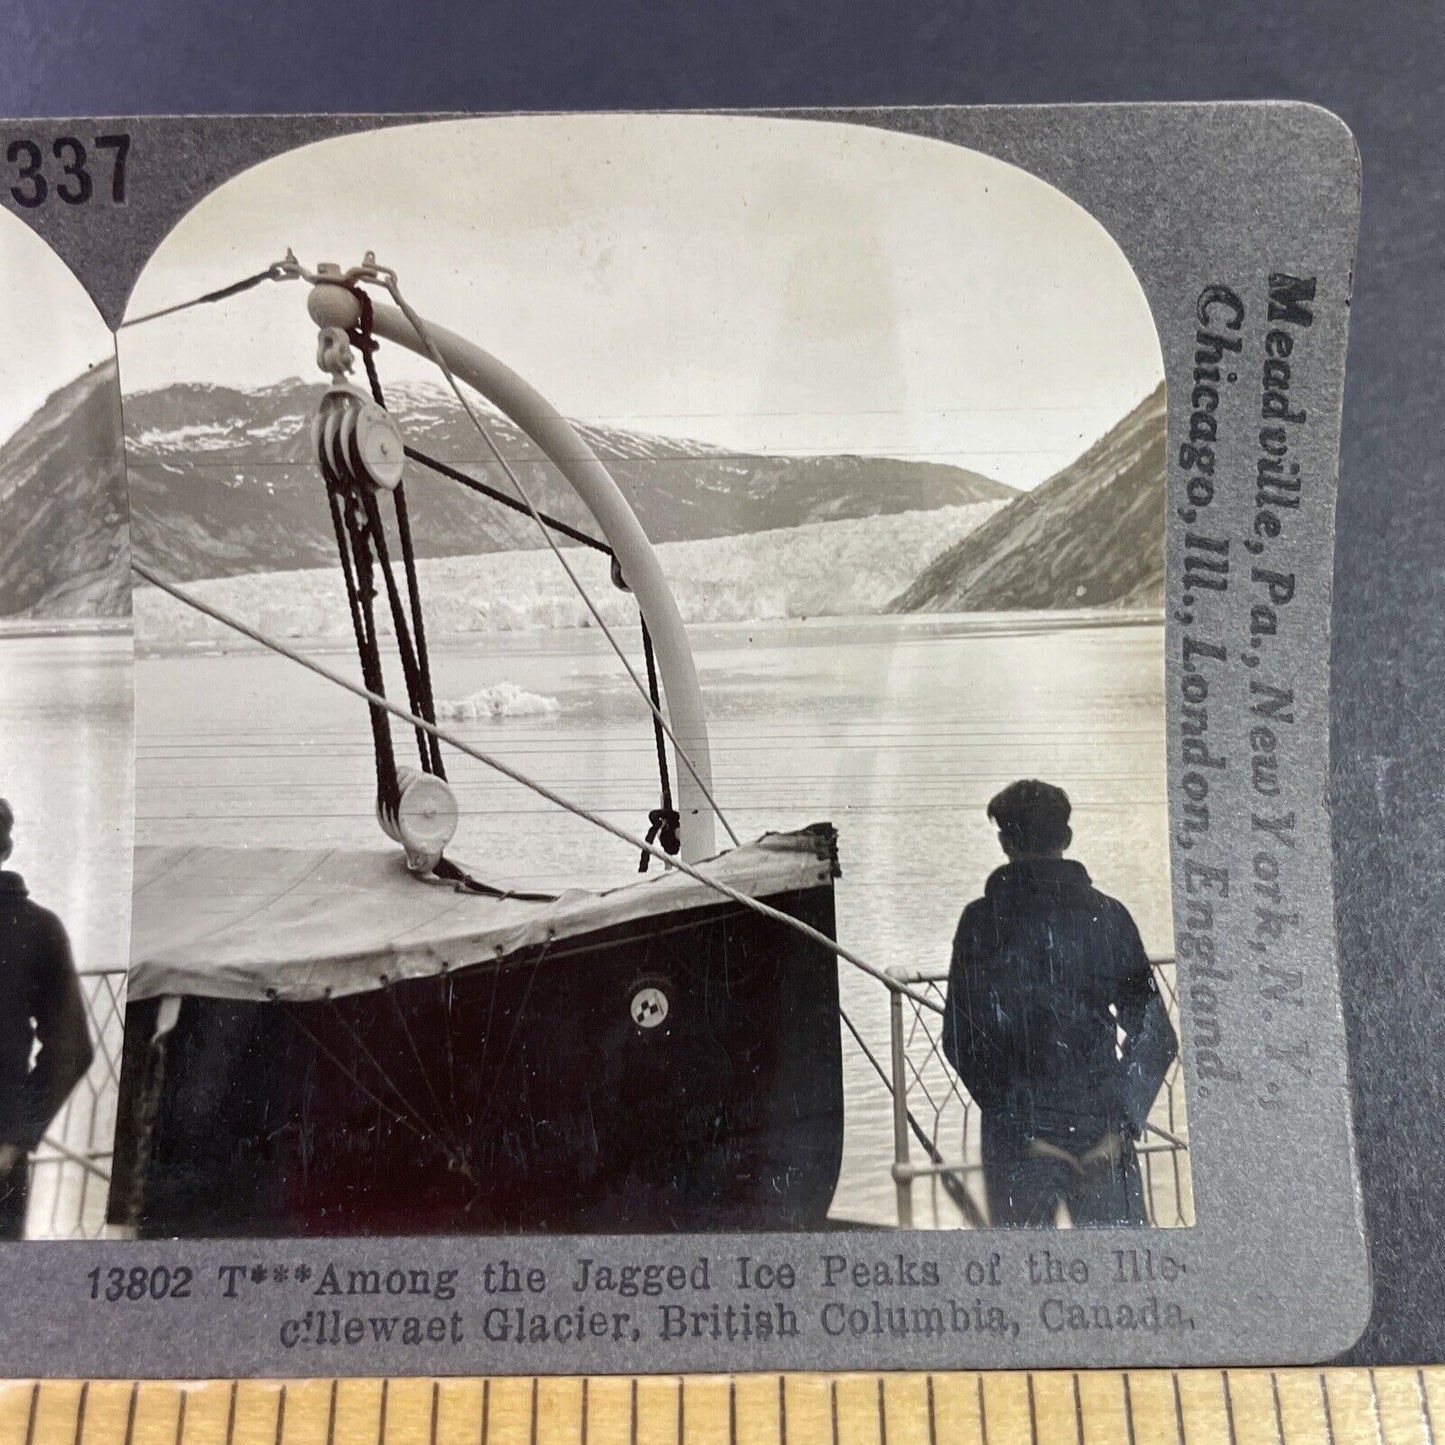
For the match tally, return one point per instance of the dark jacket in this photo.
(39, 1002)
(1047, 974)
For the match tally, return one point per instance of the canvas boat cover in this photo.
(298, 924)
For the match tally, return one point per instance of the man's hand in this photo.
(10, 1156)
(1109, 1150)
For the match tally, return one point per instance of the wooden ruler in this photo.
(1397, 1406)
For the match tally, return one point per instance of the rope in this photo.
(765, 910)
(449, 871)
(416, 665)
(420, 327)
(416, 688)
(271, 273)
(356, 569)
(423, 661)
(664, 823)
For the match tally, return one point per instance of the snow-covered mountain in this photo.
(1090, 536)
(222, 482)
(63, 506)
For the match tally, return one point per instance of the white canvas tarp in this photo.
(301, 924)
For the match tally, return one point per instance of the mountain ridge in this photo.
(1091, 535)
(222, 482)
(66, 558)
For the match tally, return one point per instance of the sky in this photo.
(756, 284)
(50, 331)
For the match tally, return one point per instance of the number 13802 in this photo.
(141, 1283)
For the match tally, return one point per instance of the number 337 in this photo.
(70, 179)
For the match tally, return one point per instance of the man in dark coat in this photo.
(1055, 1025)
(40, 1003)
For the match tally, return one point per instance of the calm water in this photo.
(898, 730)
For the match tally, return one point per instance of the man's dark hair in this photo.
(1032, 817)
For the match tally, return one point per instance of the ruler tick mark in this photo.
(80, 1410)
(1325, 1405)
(1375, 1401)
(1129, 1409)
(1033, 1410)
(1078, 1411)
(1178, 1408)
(1425, 1408)
(1228, 1407)
(1278, 1409)
(130, 1413)
(34, 1407)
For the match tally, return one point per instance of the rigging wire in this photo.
(495, 494)
(377, 699)
(424, 335)
(271, 273)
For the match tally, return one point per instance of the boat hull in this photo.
(510, 1095)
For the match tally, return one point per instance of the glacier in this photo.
(839, 568)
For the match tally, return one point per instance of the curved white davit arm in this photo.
(561, 443)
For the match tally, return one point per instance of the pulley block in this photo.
(356, 440)
(424, 819)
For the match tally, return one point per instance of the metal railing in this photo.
(70, 1171)
(931, 1106)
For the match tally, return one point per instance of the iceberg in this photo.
(500, 700)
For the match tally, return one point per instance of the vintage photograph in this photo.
(65, 747)
(649, 694)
